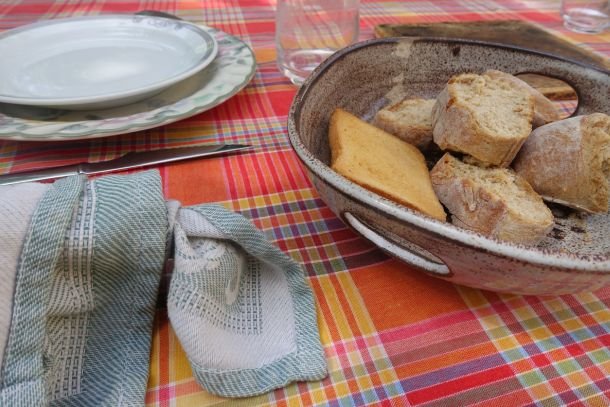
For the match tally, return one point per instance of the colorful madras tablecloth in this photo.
(392, 336)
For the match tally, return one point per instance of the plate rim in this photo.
(53, 135)
(201, 64)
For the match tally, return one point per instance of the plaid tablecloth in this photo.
(392, 336)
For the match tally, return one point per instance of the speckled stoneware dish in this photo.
(362, 78)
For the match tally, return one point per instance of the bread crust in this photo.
(568, 162)
(475, 207)
(544, 110)
(456, 129)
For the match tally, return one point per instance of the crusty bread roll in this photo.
(495, 202)
(544, 110)
(409, 120)
(569, 162)
(487, 118)
(381, 163)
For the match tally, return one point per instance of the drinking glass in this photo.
(586, 16)
(308, 31)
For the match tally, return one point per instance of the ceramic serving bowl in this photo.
(363, 78)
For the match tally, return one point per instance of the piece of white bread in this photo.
(409, 120)
(495, 202)
(382, 163)
(568, 162)
(487, 118)
(544, 110)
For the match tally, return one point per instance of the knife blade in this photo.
(124, 162)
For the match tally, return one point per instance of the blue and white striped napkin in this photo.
(79, 273)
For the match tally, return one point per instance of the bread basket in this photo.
(364, 77)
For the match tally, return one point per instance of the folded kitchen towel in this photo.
(80, 265)
(241, 308)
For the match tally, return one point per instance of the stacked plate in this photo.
(98, 76)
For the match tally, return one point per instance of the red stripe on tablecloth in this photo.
(466, 382)
(426, 326)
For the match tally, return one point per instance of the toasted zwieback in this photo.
(382, 163)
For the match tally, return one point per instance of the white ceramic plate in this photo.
(224, 77)
(99, 62)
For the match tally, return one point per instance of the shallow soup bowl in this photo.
(363, 78)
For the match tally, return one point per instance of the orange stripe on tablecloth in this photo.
(397, 295)
(198, 181)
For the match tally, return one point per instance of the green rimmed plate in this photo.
(230, 72)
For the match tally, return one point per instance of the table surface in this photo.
(392, 336)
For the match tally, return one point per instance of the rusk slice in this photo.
(381, 163)
(495, 202)
(409, 120)
(568, 162)
(487, 118)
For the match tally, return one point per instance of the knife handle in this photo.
(40, 175)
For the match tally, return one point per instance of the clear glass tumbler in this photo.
(308, 31)
(586, 16)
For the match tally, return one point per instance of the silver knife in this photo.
(125, 162)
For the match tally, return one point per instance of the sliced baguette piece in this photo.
(568, 162)
(382, 163)
(544, 110)
(495, 202)
(409, 120)
(487, 118)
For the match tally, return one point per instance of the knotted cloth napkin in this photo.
(240, 307)
(79, 270)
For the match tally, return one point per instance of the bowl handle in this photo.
(403, 253)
